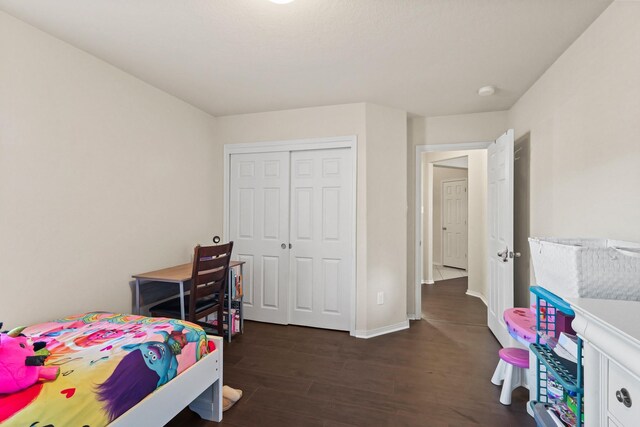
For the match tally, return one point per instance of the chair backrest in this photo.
(209, 276)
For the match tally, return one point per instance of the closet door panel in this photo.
(259, 225)
(321, 238)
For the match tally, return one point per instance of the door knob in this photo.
(514, 254)
(283, 246)
(504, 255)
(623, 397)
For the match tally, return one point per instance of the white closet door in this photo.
(259, 228)
(321, 238)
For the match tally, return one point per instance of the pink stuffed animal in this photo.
(22, 365)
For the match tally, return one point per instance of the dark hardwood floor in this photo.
(437, 373)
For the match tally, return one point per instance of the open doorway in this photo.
(450, 222)
(431, 161)
(492, 248)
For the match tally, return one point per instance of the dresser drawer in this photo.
(623, 385)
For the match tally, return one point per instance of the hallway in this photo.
(446, 301)
(442, 272)
(434, 374)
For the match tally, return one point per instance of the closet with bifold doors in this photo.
(291, 216)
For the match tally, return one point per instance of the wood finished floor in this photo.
(437, 373)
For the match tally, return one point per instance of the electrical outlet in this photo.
(380, 298)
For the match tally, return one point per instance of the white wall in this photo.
(466, 127)
(98, 173)
(386, 156)
(441, 174)
(381, 134)
(585, 133)
(416, 135)
(97, 179)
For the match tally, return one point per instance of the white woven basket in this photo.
(587, 268)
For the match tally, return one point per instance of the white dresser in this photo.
(611, 333)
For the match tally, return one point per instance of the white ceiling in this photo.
(236, 56)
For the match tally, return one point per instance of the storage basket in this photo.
(587, 268)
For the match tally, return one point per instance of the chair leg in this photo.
(505, 395)
(498, 374)
(220, 322)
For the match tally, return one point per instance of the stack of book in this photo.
(566, 346)
(235, 280)
(235, 321)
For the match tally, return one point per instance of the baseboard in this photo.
(477, 295)
(428, 282)
(383, 330)
(413, 317)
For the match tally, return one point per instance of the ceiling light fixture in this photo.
(280, 1)
(487, 90)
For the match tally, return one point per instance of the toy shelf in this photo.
(234, 299)
(553, 300)
(565, 372)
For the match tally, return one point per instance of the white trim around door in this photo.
(419, 248)
(300, 145)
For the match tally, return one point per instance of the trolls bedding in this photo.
(108, 363)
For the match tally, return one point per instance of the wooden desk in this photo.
(179, 274)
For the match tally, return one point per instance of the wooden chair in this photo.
(208, 285)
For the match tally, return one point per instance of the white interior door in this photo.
(259, 228)
(500, 214)
(454, 223)
(321, 238)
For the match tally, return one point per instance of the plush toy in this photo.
(22, 365)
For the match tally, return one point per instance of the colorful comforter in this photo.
(108, 363)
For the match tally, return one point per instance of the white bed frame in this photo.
(199, 387)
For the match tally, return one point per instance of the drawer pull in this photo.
(623, 397)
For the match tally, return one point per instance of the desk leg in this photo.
(138, 296)
(229, 317)
(242, 300)
(182, 301)
(241, 315)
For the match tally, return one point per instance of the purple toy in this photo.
(521, 322)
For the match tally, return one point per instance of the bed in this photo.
(120, 370)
